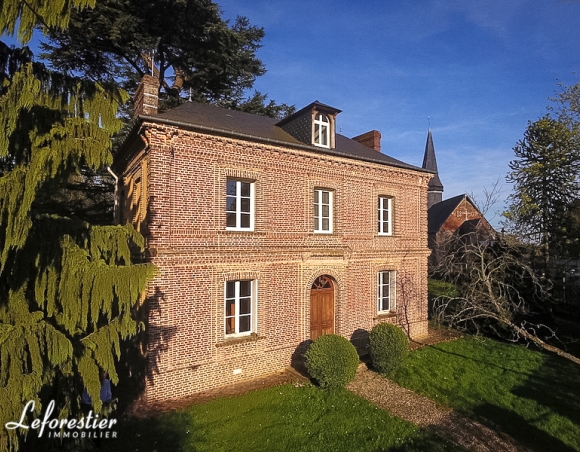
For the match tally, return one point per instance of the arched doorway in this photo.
(321, 307)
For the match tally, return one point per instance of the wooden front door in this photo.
(321, 307)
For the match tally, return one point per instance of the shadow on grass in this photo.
(555, 386)
(521, 429)
(170, 432)
(425, 442)
(534, 398)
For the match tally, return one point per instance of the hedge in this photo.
(332, 361)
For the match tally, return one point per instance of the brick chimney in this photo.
(370, 139)
(146, 99)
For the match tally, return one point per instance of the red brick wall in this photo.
(147, 96)
(370, 139)
(196, 255)
(464, 211)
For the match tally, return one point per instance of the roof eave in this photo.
(265, 140)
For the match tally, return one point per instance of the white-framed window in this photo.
(386, 291)
(321, 130)
(385, 215)
(240, 307)
(240, 205)
(323, 205)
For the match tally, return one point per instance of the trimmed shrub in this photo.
(332, 361)
(389, 347)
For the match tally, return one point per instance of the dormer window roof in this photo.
(315, 124)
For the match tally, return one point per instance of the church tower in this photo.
(435, 190)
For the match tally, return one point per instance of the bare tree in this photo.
(490, 197)
(406, 294)
(497, 291)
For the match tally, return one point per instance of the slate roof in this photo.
(221, 121)
(438, 213)
(469, 226)
(319, 106)
(430, 163)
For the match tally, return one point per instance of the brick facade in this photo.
(464, 211)
(453, 218)
(182, 184)
(370, 139)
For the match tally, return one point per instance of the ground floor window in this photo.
(240, 300)
(385, 291)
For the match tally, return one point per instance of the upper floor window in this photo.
(240, 205)
(240, 309)
(321, 131)
(385, 291)
(385, 213)
(323, 210)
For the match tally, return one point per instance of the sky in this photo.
(474, 72)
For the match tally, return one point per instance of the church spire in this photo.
(435, 190)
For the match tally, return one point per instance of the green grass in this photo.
(532, 396)
(284, 418)
(438, 288)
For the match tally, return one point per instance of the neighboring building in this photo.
(457, 215)
(452, 218)
(267, 234)
(435, 191)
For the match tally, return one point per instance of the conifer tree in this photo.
(191, 49)
(68, 289)
(545, 178)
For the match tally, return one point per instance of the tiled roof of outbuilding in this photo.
(438, 213)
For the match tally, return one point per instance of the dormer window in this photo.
(321, 131)
(314, 125)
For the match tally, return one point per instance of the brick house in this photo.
(266, 234)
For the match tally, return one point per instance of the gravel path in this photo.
(384, 393)
(425, 413)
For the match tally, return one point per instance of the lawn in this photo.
(439, 288)
(532, 396)
(284, 418)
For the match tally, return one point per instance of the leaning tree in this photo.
(496, 292)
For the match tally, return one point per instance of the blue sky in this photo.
(479, 70)
(474, 72)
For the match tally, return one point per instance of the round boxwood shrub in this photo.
(331, 360)
(389, 347)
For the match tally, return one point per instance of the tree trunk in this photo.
(540, 343)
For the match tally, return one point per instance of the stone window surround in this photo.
(389, 298)
(381, 211)
(236, 298)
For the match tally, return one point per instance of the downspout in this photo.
(116, 205)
